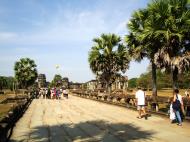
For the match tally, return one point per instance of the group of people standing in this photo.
(54, 93)
(176, 107)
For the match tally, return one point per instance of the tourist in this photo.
(54, 93)
(187, 105)
(65, 93)
(58, 94)
(61, 92)
(46, 93)
(36, 93)
(49, 94)
(177, 106)
(171, 112)
(140, 101)
(41, 93)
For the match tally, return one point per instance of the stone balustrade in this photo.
(7, 122)
(159, 105)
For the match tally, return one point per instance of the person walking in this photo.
(140, 102)
(177, 106)
(171, 112)
(187, 106)
(65, 93)
(49, 94)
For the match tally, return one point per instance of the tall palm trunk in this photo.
(175, 78)
(108, 88)
(154, 82)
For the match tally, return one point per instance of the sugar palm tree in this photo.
(173, 16)
(161, 32)
(25, 72)
(107, 58)
(141, 43)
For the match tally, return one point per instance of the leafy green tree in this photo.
(25, 72)
(107, 58)
(140, 42)
(10, 82)
(163, 79)
(3, 82)
(57, 81)
(161, 33)
(145, 80)
(132, 83)
(172, 16)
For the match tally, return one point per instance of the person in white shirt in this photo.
(66, 93)
(140, 101)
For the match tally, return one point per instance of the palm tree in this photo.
(141, 43)
(173, 34)
(107, 58)
(25, 72)
(161, 32)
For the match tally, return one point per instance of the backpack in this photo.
(177, 104)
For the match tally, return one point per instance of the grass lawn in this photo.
(4, 108)
(168, 92)
(4, 96)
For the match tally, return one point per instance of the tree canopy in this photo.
(108, 57)
(161, 32)
(57, 81)
(25, 72)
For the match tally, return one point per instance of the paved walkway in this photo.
(83, 120)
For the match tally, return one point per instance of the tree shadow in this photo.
(88, 131)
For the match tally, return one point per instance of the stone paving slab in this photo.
(81, 120)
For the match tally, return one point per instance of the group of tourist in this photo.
(176, 109)
(54, 93)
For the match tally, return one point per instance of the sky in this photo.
(60, 32)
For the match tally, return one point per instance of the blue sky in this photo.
(60, 32)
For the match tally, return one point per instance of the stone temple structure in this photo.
(65, 82)
(121, 83)
(42, 81)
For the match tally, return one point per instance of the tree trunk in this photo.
(108, 88)
(174, 78)
(154, 82)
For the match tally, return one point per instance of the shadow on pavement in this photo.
(89, 131)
